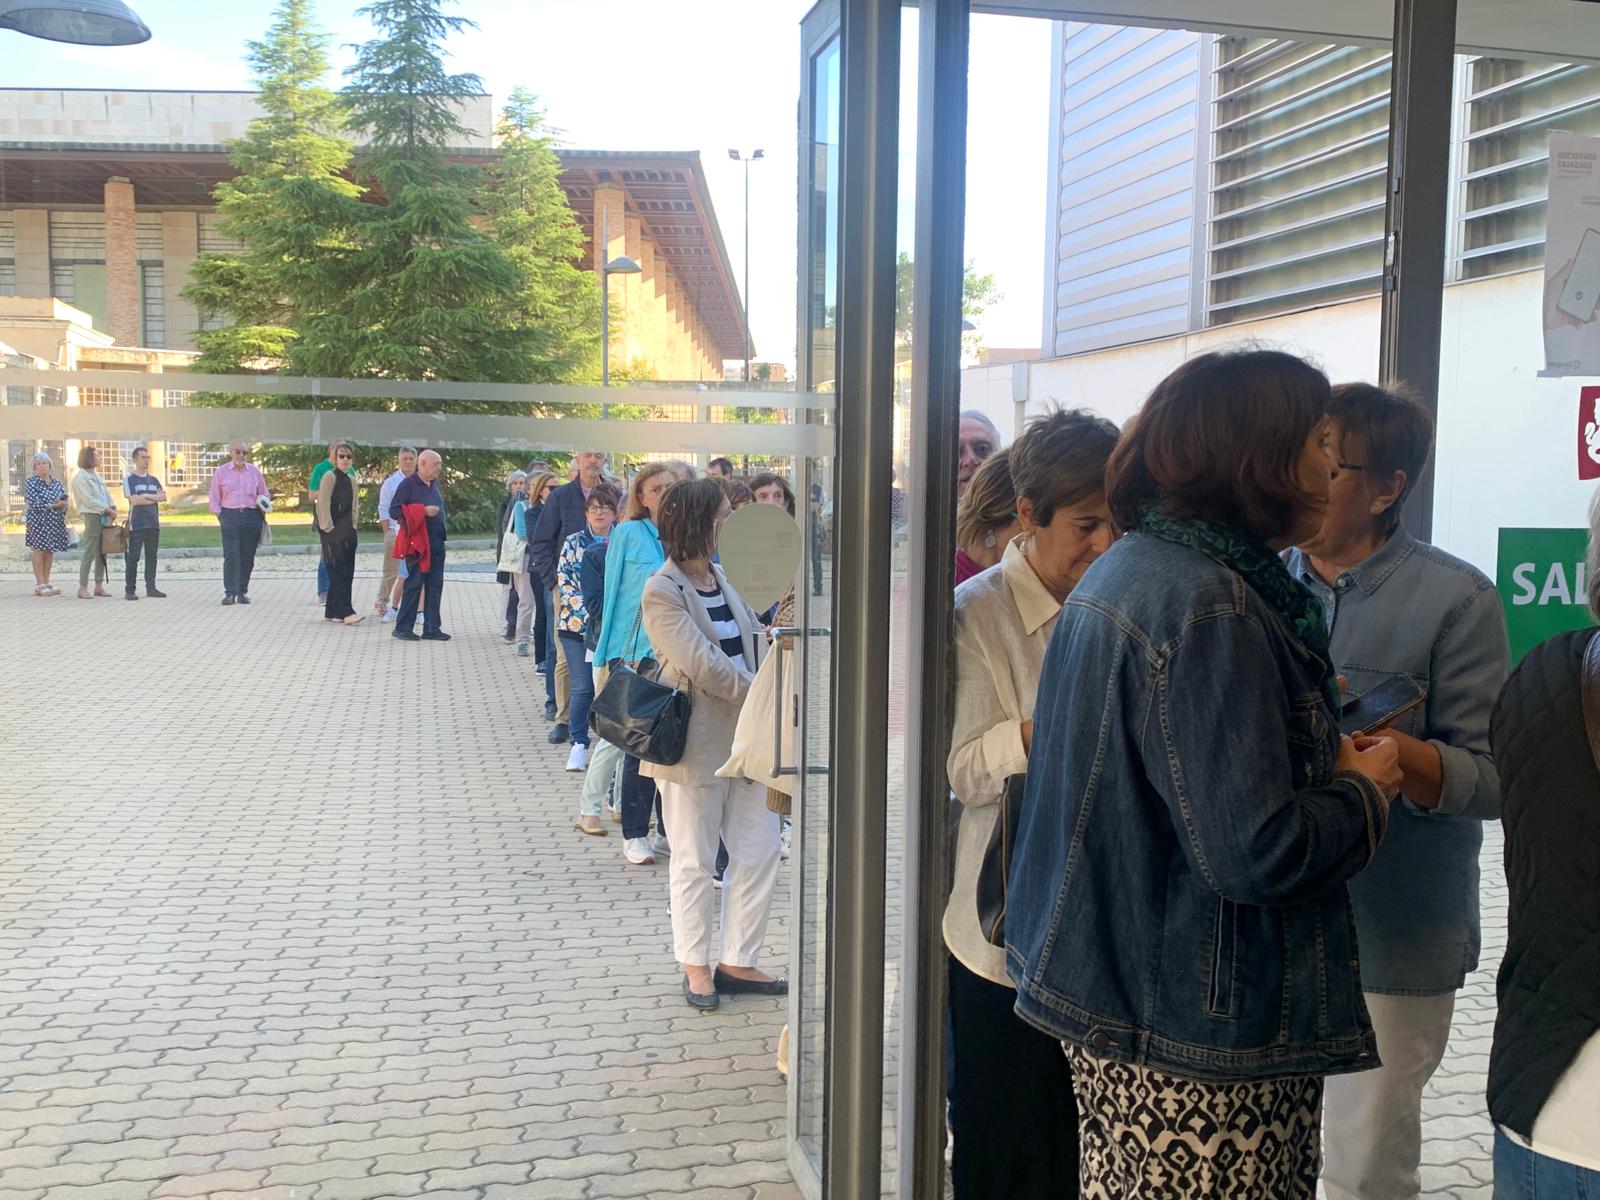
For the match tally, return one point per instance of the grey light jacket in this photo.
(1413, 609)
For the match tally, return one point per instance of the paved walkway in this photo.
(304, 917)
(297, 911)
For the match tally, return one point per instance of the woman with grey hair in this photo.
(1544, 1066)
(46, 516)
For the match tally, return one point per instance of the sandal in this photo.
(85, 594)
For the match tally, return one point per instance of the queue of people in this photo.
(1214, 893)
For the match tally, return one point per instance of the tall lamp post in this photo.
(620, 265)
(737, 157)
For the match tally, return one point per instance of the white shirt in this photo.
(386, 498)
(1565, 1126)
(1004, 618)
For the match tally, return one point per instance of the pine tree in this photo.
(533, 223)
(290, 205)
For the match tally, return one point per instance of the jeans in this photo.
(598, 778)
(89, 556)
(322, 578)
(1523, 1174)
(424, 586)
(241, 534)
(639, 798)
(147, 542)
(582, 696)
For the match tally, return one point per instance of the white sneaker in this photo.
(577, 757)
(660, 846)
(638, 852)
(389, 615)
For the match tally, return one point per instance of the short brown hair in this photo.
(86, 458)
(649, 471)
(1219, 439)
(687, 518)
(1394, 432)
(767, 479)
(990, 501)
(1060, 460)
(737, 490)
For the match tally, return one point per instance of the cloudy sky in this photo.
(638, 75)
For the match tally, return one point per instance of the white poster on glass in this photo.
(1572, 258)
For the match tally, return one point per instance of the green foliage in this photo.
(978, 292)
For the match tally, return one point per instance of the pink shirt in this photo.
(235, 487)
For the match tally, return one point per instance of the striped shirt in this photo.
(728, 635)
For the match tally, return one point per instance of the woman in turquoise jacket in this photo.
(633, 556)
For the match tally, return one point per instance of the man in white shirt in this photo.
(408, 464)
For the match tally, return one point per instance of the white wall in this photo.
(1507, 445)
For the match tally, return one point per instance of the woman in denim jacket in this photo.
(1177, 912)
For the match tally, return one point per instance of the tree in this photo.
(978, 292)
(290, 205)
(537, 229)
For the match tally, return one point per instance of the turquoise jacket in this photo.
(634, 555)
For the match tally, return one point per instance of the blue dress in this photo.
(46, 526)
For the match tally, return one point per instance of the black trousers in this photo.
(146, 542)
(426, 587)
(1012, 1112)
(639, 798)
(339, 557)
(241, 534)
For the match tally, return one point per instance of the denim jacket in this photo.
(1411, 609)
(1177, 893)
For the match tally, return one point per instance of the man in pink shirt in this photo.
(240, 498)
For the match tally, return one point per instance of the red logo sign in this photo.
(1589, 433)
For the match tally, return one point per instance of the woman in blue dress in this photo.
(46, 515)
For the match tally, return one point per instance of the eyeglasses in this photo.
(345, 456)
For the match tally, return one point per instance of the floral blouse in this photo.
(571, 616)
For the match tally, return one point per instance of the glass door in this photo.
(809, 675)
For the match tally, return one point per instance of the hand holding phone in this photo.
(1382, 706)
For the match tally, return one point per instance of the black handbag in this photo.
(996, 866)
(640, 714)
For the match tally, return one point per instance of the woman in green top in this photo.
(97, 509)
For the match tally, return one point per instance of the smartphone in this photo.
(1578, 297)
(1382, 706)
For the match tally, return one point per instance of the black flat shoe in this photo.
(243, 599)
(405, 635)
(733, 985)
(703, 1000)
(226, 600)
(438, 635)
(155, 595)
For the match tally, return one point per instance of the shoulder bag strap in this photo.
(1591, 696)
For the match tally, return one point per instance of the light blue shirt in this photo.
(634, 555)
(1411, 609)
(386, 497)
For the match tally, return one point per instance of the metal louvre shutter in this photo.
(78, 237)
(213, 240)
(1298, 161)
(147, 236)
(1124, 219)
(1509, 109)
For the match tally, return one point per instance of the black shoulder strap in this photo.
(1591, 696)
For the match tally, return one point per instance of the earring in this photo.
(989, 541)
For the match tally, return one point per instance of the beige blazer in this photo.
(685, 643)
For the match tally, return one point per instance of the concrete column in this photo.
(653, 307)
(180, 243)
(122, 264)
(633, 342)
(32, 226)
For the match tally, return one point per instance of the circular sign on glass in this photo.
(759, 548)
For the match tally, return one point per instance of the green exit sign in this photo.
(1543, 583)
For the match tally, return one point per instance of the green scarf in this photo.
(1262, 570)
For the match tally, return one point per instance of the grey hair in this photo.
(973, 414)
(405, 450)
(41, 456)
(514, 476)
(1592, 559)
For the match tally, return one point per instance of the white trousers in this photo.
(1372, 1120)
(734, 810)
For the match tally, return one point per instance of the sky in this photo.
(640, 75)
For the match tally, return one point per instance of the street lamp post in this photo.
(81, 22)
(621, 265)
(737, 157)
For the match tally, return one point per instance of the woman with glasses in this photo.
(336, 522)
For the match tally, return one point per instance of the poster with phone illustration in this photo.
(1572, 258)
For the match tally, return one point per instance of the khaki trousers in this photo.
(386, 588)
(563, 679)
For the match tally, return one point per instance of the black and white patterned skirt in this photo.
(1143, 1135)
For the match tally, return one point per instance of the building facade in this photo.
(105, 201)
